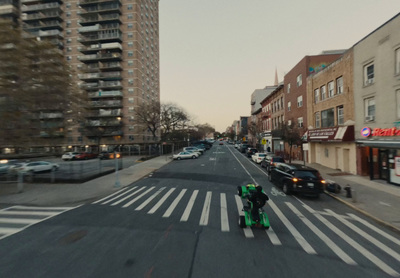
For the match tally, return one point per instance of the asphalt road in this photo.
(182, 221)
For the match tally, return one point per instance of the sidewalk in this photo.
(374, 198)
(76, 194)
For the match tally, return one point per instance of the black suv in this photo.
(269, 162)
(297, 178)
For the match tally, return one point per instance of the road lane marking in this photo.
(336, 249)
(162, 200)
(171, 208)
(105, 198)
(206, 210)
(138, 197)
(354, 244)
(365, 235)
(118, 196)
(18, 221)
(189, 206)
(148, 200)
(248, 233)
(41, 208)
(224, 214)
(382, 233)
(273, 237)
(20, 212)
(126, 197)
(299, 238)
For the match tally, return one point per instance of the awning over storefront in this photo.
(331, 134)
(383, 144)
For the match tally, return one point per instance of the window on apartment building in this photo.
(299, 80)
(328, 118)
(299, 101)
(317, 117)
(288, 88)
(398, 103)
(68, 24)
(340, 115)
(369, 74)
(130, 25)
(68, 14)
(131, 127)
(69, 31)
(130, 72)
(316, 95)
(369, 113)
(278, 105)
(130, 44)
(130, 35)
(323, 92)
(282, 105)
(130, 100)
(130, 81)
(131, 109)
(331, 90)
(131, 118)
(289, 122)
(339, 85)
(130, 16)
(397, 59)
(69, 41)
(300, 122)
(130, 62)
(130, 53)
(289, 106)
(130, 7)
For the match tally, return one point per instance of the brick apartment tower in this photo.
(112, 45)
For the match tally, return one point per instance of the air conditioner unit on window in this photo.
(369, 118)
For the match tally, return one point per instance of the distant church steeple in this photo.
(276, 78)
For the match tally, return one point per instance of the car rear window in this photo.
(278, 159)
(307, 174)
(261, 154)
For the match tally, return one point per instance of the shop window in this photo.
(328, 118)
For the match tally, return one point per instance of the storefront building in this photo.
(377, 102)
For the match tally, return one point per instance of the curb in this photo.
(374, 218)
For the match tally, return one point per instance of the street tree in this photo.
(148, 116)
(174, 120)
(290, 134)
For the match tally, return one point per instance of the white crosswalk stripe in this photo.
(186, 213)
(224, 214)
(118, 196)
(138, 197)
(17, 218)
(171, 208)
(163, 199)
(145, 203)
(205, 214)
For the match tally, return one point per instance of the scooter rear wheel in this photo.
(242, 221)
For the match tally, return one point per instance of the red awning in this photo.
(331, 134)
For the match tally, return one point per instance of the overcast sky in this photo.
(215, 53)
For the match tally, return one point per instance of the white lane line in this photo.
(273, 237)
(162, 200)
(18, 220)
(126, 197)
(145, 203)
(248, 233)
(206, 210)
(354, 244)
(224, 214)
(365, 235)
(171, 208)
(20, 212)
(336, 249)
(382, 233)
(105, 198)
(138, 197)
(9, 231)
(119, 196)
(186, 213)
(300, 239)
(55, 209)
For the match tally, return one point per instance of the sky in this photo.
(215, 53)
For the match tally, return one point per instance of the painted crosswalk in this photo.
(17, 218)
(204, 207)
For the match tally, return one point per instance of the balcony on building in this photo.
(48, 33)
(105, 103)
(100, 8)
(99, 18)
(94, 48)
(100, 37)
(41, 15)
(40, 7)
(84, 3)
(51, 115)
(90, 86)
(105, 94)
(103, 122)
(89, 68)
(9, 11)
(101, 56)
(105, 113)
(89, 76)
(111, 75)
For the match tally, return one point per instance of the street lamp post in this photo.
(117, 183)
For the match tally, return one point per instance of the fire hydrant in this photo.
(347, 188)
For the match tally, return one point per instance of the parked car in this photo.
(85, 156)
(69, 156)
(185, 155)
(297, 178)
(270, 161)
(193, 149)
(258, 157)
(200, 147)
(108, 155)
(243, 148)
(36, 167)
(6, 164)
(251, 151)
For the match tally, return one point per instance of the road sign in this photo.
(264, 141)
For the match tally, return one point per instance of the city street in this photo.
(182, 221)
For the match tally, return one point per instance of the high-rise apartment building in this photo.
(112, 47)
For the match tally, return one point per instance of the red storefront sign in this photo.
(385, 132)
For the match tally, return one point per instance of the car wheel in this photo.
(193, 156)
(179, 158)
(242, 221)
(239, 188)
(285, 189)
(54, 168)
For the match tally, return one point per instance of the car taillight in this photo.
(323, 181)
(295, 179)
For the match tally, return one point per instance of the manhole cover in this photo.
(73, 237)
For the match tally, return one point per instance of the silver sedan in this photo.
(184, 155)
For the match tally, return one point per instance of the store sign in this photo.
(366, 132)
(332, 134)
